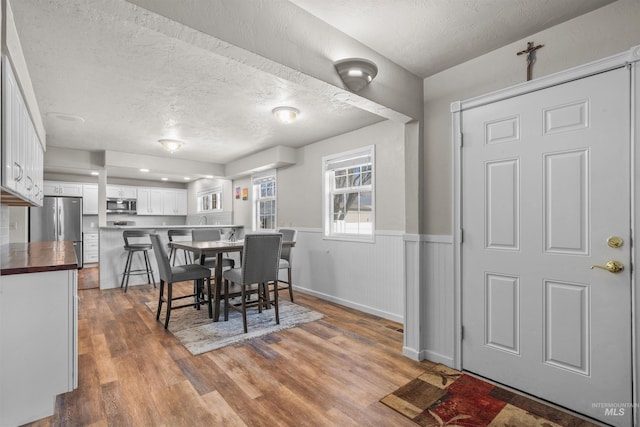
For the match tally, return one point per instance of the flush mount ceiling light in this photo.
(285, 114)
(356, 73)
(171, 145)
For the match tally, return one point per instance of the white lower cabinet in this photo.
(38, 343)
(91, 249)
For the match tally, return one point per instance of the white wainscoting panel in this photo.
(412, 297)
(438, 310)
(430, 311)
(365, 276)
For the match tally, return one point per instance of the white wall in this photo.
(300, 186)
(365, 276)
(243, 209)
(606, 31)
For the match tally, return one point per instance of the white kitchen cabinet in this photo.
(89, 199)
(91, 248)
(174, 202)
(39, 342)
(122, 192)
(56, 188)
(22, 153)
(150, 201)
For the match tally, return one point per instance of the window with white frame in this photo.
(264, 200)
(210, 200)
(349, 193)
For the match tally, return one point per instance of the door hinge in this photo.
(461, 332)
(461, 139)
(461, 235)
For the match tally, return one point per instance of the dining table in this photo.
(217, 248)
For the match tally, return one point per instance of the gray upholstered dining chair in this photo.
(210, 235)
(171, 274)
(286, 259)
(261, 256)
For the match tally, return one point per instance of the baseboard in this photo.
(350, 304)
(437, 358)
(411, 353)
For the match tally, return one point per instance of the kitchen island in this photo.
(113, 256)
(38, 328)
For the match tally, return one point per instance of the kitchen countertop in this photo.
(36, 257)
(165, 227)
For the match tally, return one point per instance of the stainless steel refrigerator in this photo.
(59, 218)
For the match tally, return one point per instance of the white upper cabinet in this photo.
(121, 192)
(150, 201)
(90, 199)
(174, 202)
(22, 153)
(55, 188)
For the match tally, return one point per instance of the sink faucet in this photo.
(203, 220)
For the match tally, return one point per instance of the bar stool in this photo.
(173, 252)
(136, 247)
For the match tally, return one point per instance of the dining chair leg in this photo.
(160, 299)
(260, 297)
(169, 298)
(275, 301)
(266, 299)
(198, 285)
(290, 284)
(226, 300)
(244, 308)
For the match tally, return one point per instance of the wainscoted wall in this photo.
(430, 310)
(364, 276)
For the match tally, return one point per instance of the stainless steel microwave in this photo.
(125, 206)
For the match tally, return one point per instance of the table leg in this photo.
(218, 274)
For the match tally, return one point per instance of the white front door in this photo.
(545, 184)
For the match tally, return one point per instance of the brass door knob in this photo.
(611, 266)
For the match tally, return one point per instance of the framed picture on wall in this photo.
(245, 194)
(237, 192)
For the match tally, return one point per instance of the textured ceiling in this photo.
(429, 36)
(136, 77)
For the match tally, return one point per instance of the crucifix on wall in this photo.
(530, 51)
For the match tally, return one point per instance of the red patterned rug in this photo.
(442, 396)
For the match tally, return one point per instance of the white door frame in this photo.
(631, 59)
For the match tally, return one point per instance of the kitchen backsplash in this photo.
(222, 218)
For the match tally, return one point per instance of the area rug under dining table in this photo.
(199, 334)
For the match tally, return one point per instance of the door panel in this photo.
(545, 183)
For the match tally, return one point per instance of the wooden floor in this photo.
(330, 372)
